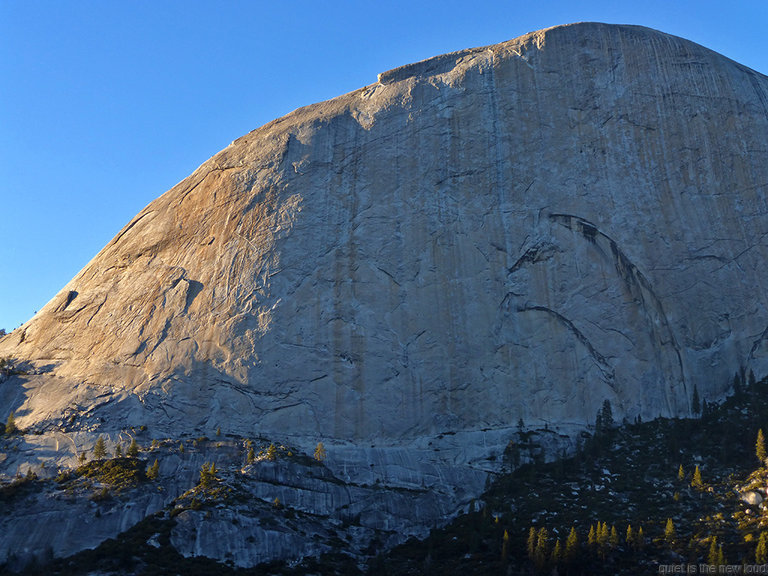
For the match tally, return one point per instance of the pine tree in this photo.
(572, 545)
(153, 471)
(720, 556)
(133, 449)
(712, 555)
(760, 447)
(607, 415)
(696, 401)
(613, 539)
(10, 425)
(669, 533)
(681, 473)
(761, 552)
(504, 546)
(602, 534)
(603, 537)
(697, 482)
(541, 554)
(599, 424)
(531, 544)
(99, 450)
(251, 457)
(751, 380)
(118, 451)
(208, 475)
(592, 537)
(604, 420)
(272, 452)
(181, 447)
(320, 453)
(640, 539)
(557, 553)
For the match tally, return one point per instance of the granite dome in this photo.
(519, 231)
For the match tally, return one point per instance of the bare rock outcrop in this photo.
(519, 231)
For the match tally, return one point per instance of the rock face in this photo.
(517, 231)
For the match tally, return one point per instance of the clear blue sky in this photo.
(104, 105)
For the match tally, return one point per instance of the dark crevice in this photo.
(605, 368)
(193, 290)
(388, 274)
(756, 343)
(636, 282)
(98, 309)
(537, 253)
(71, 295)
